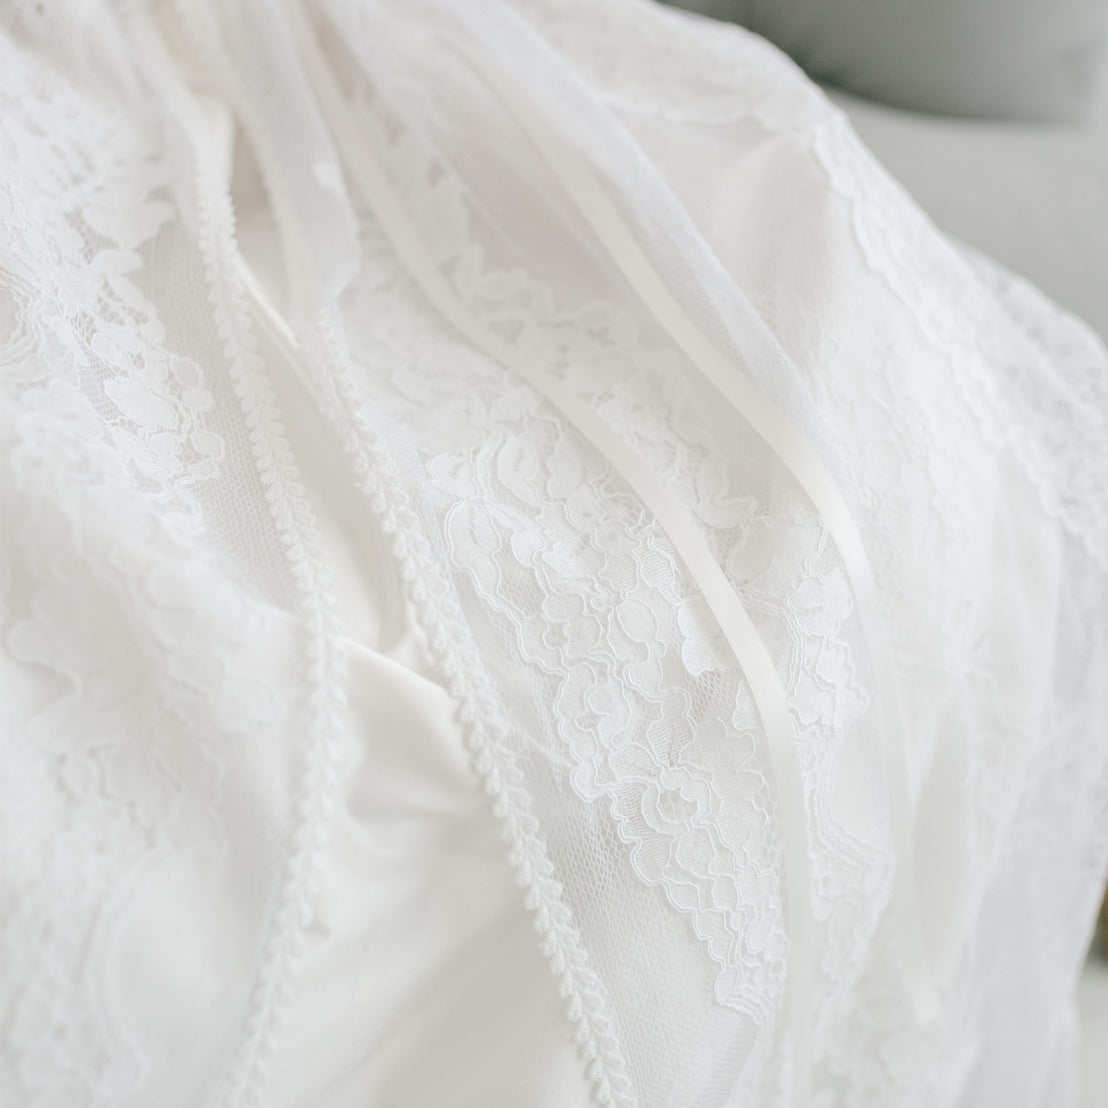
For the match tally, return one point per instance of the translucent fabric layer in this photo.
(461, 459)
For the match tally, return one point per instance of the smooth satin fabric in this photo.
(422, 983)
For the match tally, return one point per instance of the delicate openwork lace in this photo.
(169, 622)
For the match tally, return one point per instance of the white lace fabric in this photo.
(190, 463)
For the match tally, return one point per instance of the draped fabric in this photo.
(531, 574)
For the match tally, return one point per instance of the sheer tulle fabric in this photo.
(375, 558)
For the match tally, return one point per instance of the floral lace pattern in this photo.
(897, 461)
(169, 618)
(591, 600)
(102, 464)
(155, 669)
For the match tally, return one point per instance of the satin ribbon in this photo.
(766, 419)
(671, 515)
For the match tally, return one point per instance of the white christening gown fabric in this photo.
(531, 574)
